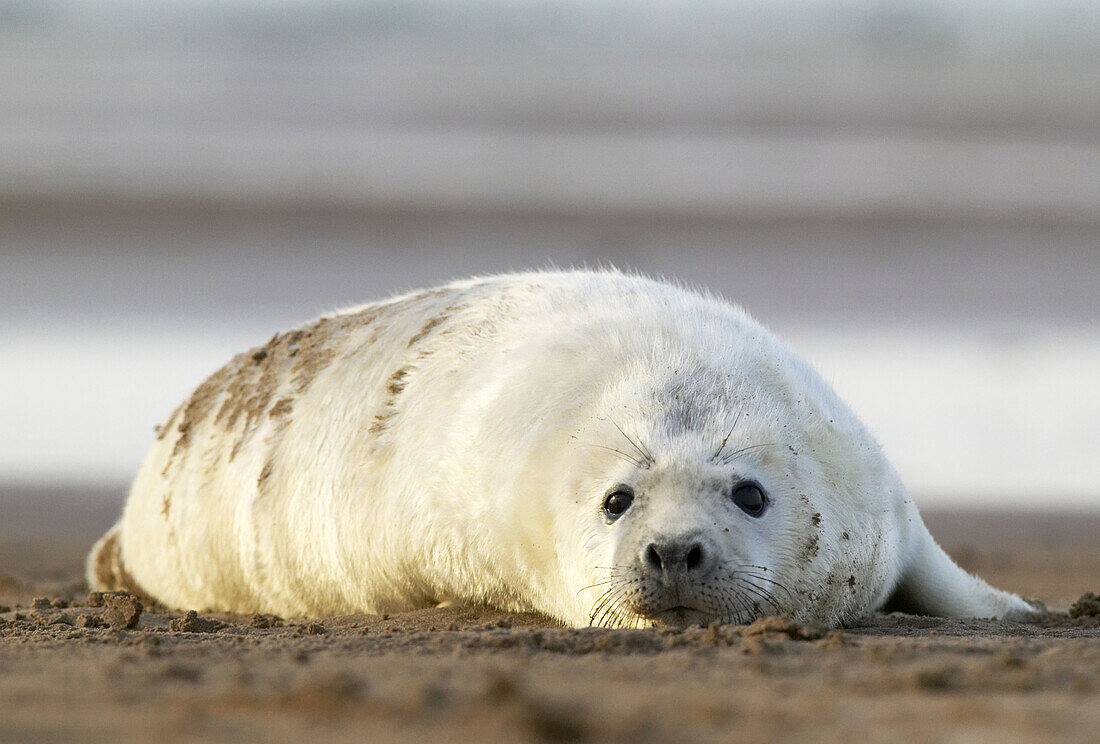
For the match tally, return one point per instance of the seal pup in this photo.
(601, 448)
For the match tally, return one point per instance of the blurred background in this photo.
(909, 192)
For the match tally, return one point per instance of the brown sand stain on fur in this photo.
(394, 387)
(245, 388)
(162, 430)
(196, 410)
(810, 550)
(265, 473)
(263, 383)
(299, 355)
(282, 408)
(428, 327)
(811, 547)
(249, 394)
(279, 414)
(399, 380)
(314, 351)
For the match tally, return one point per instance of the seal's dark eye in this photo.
(750, 498)
(617, 501)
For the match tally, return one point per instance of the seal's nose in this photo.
(688, 557)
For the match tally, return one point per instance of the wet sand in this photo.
(71, 669)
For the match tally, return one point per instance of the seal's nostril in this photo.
(653, 558)
(694, 556)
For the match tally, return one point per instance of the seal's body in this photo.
(600, 448)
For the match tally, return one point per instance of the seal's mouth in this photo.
(680, 616)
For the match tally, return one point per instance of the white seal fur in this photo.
(458, 445)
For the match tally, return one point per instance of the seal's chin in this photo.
(679, 617)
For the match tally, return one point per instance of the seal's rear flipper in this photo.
(932, 584)
(106, 571)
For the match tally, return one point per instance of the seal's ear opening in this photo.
(933, 584)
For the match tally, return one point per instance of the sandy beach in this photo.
(97, 668)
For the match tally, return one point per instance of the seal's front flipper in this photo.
(933, 584)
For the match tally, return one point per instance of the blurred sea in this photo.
(908, 192)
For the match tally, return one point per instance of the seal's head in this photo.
(776, 503)
(737, 484)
